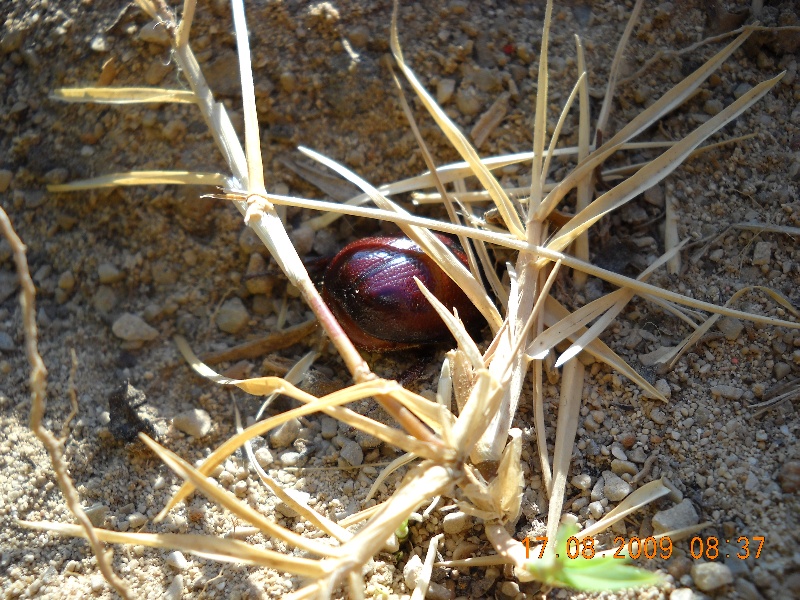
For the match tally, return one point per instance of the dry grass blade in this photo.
(142, 178)
(233, 504)
(218, 549)
(105, 95)
(657, 169)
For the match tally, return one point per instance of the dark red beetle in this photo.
(369, 286)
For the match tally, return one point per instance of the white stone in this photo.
(709, 576)
(132, 328)
(195, 422)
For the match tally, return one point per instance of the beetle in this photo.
(369, 286)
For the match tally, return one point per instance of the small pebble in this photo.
(747, 590)
(108, 273)
(257, 280)
(620, 467)
(177, 561)
(662, 385)
(730, 327)
(97, 583)
(264, 457)
(6, 342)
(5, 179)
(741, 90)
(285, 434)
(444, 91)
(97, 514)
(411, 571)
(132, 328)
(154, 33)
(104, 299)
(781, 370)
(618, 452)
(596, 509)
(291, 459)
(789, 477)
(683, 594)
(679, 516)
(56, 176)
(468, 101)
(615, 488)
(240, 489)
(762, 253)
(136, 520)
(329, 427)
(175, 589)
(509, 589)
(709, 576)
(195, 422)
(582, 481)
(713, 106)
(232, 316)
(456, 522)
(66, 281)
(658, 416)
(352, 453)
(597, 490)
(728, 392)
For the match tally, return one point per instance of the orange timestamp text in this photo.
(651, 547)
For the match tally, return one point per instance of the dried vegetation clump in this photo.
(462, 446)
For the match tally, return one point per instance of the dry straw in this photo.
(486, 385)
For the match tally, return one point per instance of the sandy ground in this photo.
(174, 259)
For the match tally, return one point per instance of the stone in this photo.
(582, 481)
(781, 370)
(175, 589)
(352, 453)
(177, 561)
(137, 520)
(746, 590)
(444, 90)
(5, 179)
(195, 422)
(762, 253)
(66, 281)
(257, 280)
(97, 514)
(329, 427)
(104, 299)
(132, 328)
(264, 457)
(679, 516)
(615, 488)
(456, 522)
(411, 571)
(6, 342)
(683, 594)
(285, 434)
(108, 273)
(728, 392)
(662, 385)
(232, 316)
(789, 477)
(708, 576)
(154, 33)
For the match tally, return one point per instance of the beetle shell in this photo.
(369, 286)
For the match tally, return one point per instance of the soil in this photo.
(176, 258)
